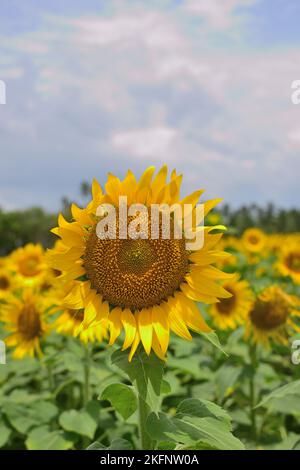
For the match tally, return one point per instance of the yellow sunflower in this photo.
(28, 264)
(272, 316)
(143, 286)
(233, 311)
(289, 261)
(25, 320)
(254, 240)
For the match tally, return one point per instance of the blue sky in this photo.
(100, 86)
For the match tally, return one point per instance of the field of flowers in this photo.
(218, 369)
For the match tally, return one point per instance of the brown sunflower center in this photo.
(29, 323)
(293, 262)
(4, 283)
(225, 306)
(30, 266)
(136, 273)
(253, 239)
(269, 315)
(77, 315)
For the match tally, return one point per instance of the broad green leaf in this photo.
(226, 378)
(145, 373)
(190, 430)
(79, 422)
(25, 417)
(286, 391)
(116, 444)
(196, 423)
(213, 338)
(122, 398)
(42, 438)
(203, 409)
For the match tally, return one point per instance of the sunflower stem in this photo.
(146, 442)
(254, 365)
(87, 371)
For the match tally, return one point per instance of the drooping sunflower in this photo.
(233, 311)
(143, 286)
(28, 264)
(289, 261)
(272, 317)
(254, 240)
(25, 319)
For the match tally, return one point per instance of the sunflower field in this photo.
(144, 344)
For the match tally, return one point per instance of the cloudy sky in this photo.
(105, 85)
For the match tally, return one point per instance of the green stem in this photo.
(254, 364)
(143, 409)
(87, 371)
(51, 384)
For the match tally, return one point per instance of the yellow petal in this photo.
(145, 328)
(161, 327)
(129, 325)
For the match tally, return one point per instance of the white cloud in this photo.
(156, 142)
(135, 86)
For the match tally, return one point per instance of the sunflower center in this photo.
(225, 306)
(4, 283)
(269, 315)
(136, 273)
(293, 262)
(30, 266)
(77, 315)
(253, 239)
(29, 323)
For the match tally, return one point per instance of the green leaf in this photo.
(122, 398)
(197, 424)
(203, 409)
(116, 444)
(42, 438)
(213, 338)
(80, 422)
(288, 390)
(25, 417)
(226, 378)
(145, 373)
(5, 433)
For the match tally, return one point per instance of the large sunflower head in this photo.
(24, 319)
(143, 285)
(272, 316)
(289, 261)
(28, 264)
(233, 311)
(254, 240)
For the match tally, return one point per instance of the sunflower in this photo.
(144, 287)
(289, 261)
(28, 264)
(233, 311)
(272, 316)
(70, 322)
(25, 320)
(254, 240)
